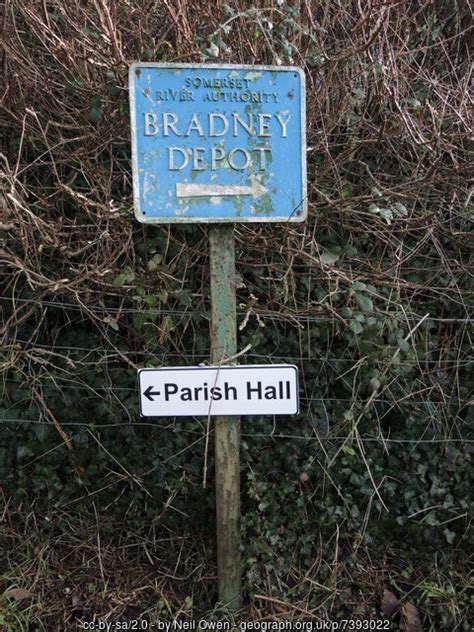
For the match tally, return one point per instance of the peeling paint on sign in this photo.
(218, 143)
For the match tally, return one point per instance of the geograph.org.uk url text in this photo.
(198, 625)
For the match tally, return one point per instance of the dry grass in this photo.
(82, 571)
(66, 156)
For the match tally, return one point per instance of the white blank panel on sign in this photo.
(225, 390)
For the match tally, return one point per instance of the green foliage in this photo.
(95, 111)
(15, 617)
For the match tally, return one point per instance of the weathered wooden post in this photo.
(227, 429)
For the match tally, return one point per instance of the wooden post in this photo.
(227, 429)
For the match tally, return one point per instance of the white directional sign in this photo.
(226, 390)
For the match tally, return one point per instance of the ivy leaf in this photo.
(376, 191)
(127, 276)
(113, 323)
(95, 111)
(346, 191)
(23, 451)
(350, 250)
(356, 327)
(213, 50)
(184, 298)
(449, 535)
(228, 11)
(153, 264)
(431, 519)
(112, 89)
(329, 257)
(386, 214)
(403, 344)
(364, 302)
(41, 431)
(400, 209)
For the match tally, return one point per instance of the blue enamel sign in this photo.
(218, 143)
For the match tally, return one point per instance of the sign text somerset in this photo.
(218, 143)
(226, 390)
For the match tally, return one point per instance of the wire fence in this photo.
(433, 360)
(107, 353)
(277, 315)
(82, 386)
(269, 435)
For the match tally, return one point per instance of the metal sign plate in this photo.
(218, 143)
(226, 390)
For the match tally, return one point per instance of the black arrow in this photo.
(149, 392)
